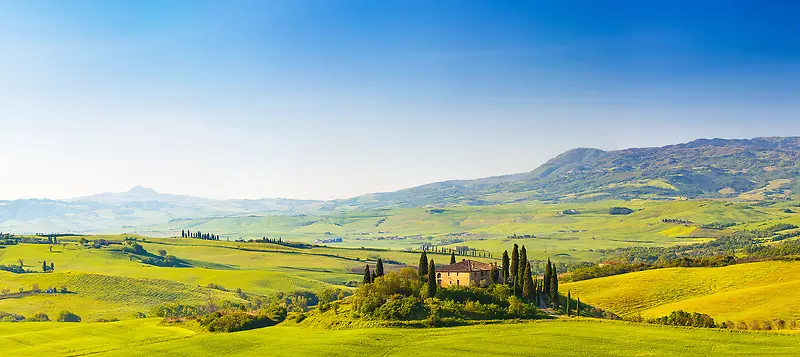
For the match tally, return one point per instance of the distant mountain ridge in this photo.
(751, 169)
(703, 168)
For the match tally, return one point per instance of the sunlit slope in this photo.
(72, 339)
(95, 296)
(764, 291)
(561, 338)
(107, 284)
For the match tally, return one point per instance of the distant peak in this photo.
(139, 190)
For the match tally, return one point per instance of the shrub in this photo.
(176, 311)
(216, 287)
(10, 317)
(400, 308)
(620, 210)
(39, 317)
(134, 248)
(682, 318)
(237, 321)
(66, 316)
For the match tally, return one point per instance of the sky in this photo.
(331, 99)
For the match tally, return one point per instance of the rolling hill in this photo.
(742, 169)
(743, 292)
(704, 168)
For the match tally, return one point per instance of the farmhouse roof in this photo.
(465, 266)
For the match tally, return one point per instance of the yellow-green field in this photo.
(761, 291)
(556, 337)
(560, 237)
(106, 284)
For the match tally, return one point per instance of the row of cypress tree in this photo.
(369, 277)
(198, 234)
(517, 273)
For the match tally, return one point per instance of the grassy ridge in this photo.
(763, 290)
(558, 337)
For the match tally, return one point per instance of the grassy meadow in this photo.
(555, 337)
(107, 284)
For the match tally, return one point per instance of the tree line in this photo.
(198, 235)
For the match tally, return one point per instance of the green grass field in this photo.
(762, 291)
(559, 237)
(108, 284)
(556, 337)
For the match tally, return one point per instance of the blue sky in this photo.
(329, 99)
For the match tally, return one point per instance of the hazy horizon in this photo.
(314, 100)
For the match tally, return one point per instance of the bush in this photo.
(134, 248)
(216, 287)
(66, 316)
(236, 321)
(682, 318)
(620, 210)
(39, 317)
(400, 308)
(176, 311)
(10, 317)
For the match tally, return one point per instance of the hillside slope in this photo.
(761, 291)
(764, 167)
(750, 169)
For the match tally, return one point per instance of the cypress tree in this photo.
(527, 286)
(554, 287)
(432, 279)
(505, 265)
(367, 275)
(514, 265)
(569, 302)
(379, 267)
(578, 308)
(44, 265)
(452, 258)
(423, 265)
(548, 275)
(372, 278)
(523, 264)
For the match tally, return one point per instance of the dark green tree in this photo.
(569, 303)
(548, 276)
(514, 265)
(379, 267)
(432, 285)
(494, 274)
(523, 262)
(554, 287)
(367, 275)
(452, 258)
(505, 265)
(578, 307)
(527, 286)
(44, 265)
(52, 266)
(423, 265)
